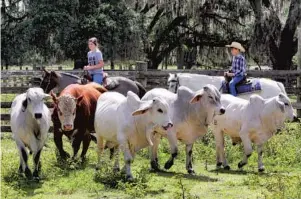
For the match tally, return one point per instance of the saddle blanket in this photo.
(252, 85)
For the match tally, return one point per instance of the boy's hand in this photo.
(86, 67)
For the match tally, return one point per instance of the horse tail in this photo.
(98, 87)
(142, 90)
(280, 85)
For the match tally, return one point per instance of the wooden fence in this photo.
(19, 81)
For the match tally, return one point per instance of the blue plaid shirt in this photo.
(239, 65)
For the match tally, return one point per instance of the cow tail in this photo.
(142, 90)
(280, 85)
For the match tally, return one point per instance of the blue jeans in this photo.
(98, 78)
(233, 82)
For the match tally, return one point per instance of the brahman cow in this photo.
(255, 120)
(191, 113)
(129, 123)
(73, 116)
(30, 122)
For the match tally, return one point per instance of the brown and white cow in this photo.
(73, 116)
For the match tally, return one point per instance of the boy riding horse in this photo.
(238, 68)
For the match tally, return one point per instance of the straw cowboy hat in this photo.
(236, 45)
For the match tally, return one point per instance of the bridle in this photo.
(177, 83)
(48, 82)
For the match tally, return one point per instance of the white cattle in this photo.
(270, 88)
(30, 122)
(191, 113)
(129, 123)
(255, 120)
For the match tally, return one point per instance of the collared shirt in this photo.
(238, 65)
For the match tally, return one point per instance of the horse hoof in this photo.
(64, 155)
(218, 165)
(227, 168)
(155, 166)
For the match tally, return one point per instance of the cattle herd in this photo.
(128, 123)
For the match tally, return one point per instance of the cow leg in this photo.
(36, 160)
(189, 159)
(172, 139)
(76, 144)
(247, 147)
(260, 164)
(23, 158)
(220, 149)
(154, 153)
(116, 167)
(100, 147)
(57, 136)
(86, 143)
(128, 158)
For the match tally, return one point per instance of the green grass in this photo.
(282, 178)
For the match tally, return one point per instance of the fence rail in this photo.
(19, 81)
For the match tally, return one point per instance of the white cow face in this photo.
(34, 102)
(66, 108)
(286, 106)
(210, 99)
(173, 83)
(157, 111)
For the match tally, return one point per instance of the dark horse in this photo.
(60, 80)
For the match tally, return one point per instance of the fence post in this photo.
(299, 68)
(141, 66)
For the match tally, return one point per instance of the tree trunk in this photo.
(180, 58)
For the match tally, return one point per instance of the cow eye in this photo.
(210, 97)
(286, 104)
(160, 110)
(29, 100)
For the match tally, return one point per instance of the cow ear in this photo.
(281, 106)
(144, 107)
(24, 105)
(196, 98)
(79, 99)
(54, 98)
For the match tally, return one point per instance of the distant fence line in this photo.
(20, 81)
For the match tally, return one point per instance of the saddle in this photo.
(89, 78)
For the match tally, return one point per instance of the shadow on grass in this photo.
(236, 172)
(20, 182)
(187, 176)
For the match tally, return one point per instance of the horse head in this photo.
(49, 80)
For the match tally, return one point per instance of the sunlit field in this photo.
(59, 179)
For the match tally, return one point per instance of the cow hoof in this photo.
(234, 143)
(227, 168)
(168, 164)
(64, 155)
(129, 178)
(261, 169)
(36, 175)
(241, 164)
(155, 166)
(218, 165)
(116, 169)
(83, 159)
(20, 170)
(191, 171)
(28, 173)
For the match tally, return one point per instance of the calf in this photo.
(191, 113)
(73, 116)
(129, 123)
(255, 120)
(30, 122)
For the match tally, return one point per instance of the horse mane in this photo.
(69, 75)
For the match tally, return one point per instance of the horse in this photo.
(60, 80)
(266, 88)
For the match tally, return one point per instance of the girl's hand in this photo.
(86, 67)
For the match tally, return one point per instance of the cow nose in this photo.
(222, 110)
(38, 115)
(68, 127)
(170, 124)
